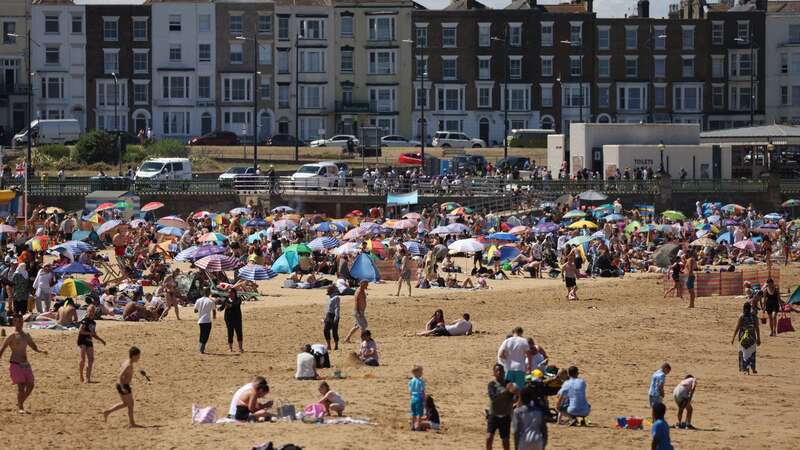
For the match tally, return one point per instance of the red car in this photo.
(414, 159)
(215, 138)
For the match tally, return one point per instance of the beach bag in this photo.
(785, 324)
(203, 415)
(286, 410)
(746, 340)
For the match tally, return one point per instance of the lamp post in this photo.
(421, 75)
(768, 156)
(116, 124)
(752, 73)
(504, 40)
(255, 97)
(580, 80)
(298, 36)
(661, 148)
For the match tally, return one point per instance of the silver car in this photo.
(340, 140)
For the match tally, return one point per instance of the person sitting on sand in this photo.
(331, 400)
(306, 364)
(460, 327)
(67, 314)
(245, 406)
(368, 351)
(436, 320)
(431, 420)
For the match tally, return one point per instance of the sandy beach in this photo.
(617, 334)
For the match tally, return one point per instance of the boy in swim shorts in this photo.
(124, 387)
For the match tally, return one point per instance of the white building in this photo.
(782, 68)
(313, 21)
(58, 60)
(183, 82)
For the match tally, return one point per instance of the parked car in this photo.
(340, 164)
(394, 140)
(414, 159)
(447, 139)
(513, 162)
(216, 138)
(283, 140)
(469, 163)
(56, 131)
(228, 177)
(321, 175)
(340, 140)
(165, 169)
(127, 138)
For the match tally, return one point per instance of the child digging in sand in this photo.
(124, 387)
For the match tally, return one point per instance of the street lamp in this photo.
(752, 72)
(255, 97)
(650, 43)
(297, 39)
(661, 148)
(505, 90)
(421, 75)
(768, 156)
(580, 84)
(116, 124)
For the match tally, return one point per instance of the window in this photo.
(576, 33)
(688, 37)
(741, 64)
(451, 125)
(382, 99)
(51, 24)
(515, 67)
(421, 98)
(283, 28)
(141, 61)
(77, 24)
(283, 96)
(515, 34)
(111, 61)
(110, 28)
(484, 34)
(9, 28)
(204, 23)
(484, 97)
(717, 32)
(346, 26)
(450, 98)
(795, 95)
(631, 66)
(174, 22)
(235, 23)
(264, 23)
(660, 96)
(111, 94)
(631, 98)
(603, 38)
(175, 87)
(312, 61)
(310, 126)
(631, 36)
(140, 94)
(574, 95)
(547, 34)
(204, 87)
(176, 122)
(795, 63)
(740, 98)
(717, 66)
(347, 60)
(347, 95)
(175, 52)
(547, 95)
(264, 54)
(52, 55)
(784, 91)
(717, 96)
(236, 53)
(687, 98)
(688, 67)
(547, 66)
(449, 35)
(283, 61)
(784, 63)
(603, 66)
(52, 87)
(139, 29)
(421, 36)
(660, 66)
(660, 38)
(204, 52)
(519, 98)
(311, 96)
(484, 67)
(236, 89)
(422, 67)
(603, 96)
(236, 120)
(312, 28)
(449, 68)
(575, 66)
(265, 88)
(381, 62)
(381, 28)
(743, 30)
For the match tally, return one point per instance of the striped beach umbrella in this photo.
(415, 248)
(186, 254)
(323, 242)
(104, 206)
(252, 272)
(213, 237)
(240, 210)
(172, 231)
(152, 206)
(7, 229)
(218, 263)
(70, 287)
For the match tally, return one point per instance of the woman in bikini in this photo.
(404, 267)
(170, 287)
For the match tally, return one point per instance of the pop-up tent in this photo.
(794, 299)
(363, 268)
(286, 263)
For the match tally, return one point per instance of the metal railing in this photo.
(83, 186)
(719, 186)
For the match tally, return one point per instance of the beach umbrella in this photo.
(93, 218)
(724, 237)
(213, 237)
(449, 206)
(632, 226)
(343, 224)
(714, 219)
(104, 206)
(121, 205)
(218, 263)
(171, 231)
(324, 242)
(347, 247)
(592, 196)
(186, 254)
(733, 208)
(53, 210)
(746, 244)
(326, 227)
(415, 248)
(614, 218)
(773, 216)
(76, 267)
(252, 272)
(70, 287)
(136, 223)
(456, 228)
(7, 229)
(664, 254)
(412, 215)
(201, 215)
(283, 209)
(547, 227)
(574, 214)
(173, 221)
(466, 246)
(673, 215)
(703, 242)
(440, 230)
(284, 224)
(257, 236)
(547, 205)
(500, 236)
(240, 211)
(405, 224)
(108, 226)
(791, 203)
(462, 210)
(519, 229)
(208, 250)
(73, 247)
(298, 248)
(582, 223)
(256, 223)
(151, 206)
(38, 243)
(355, 234)
(579, 240)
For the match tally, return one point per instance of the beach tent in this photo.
(363, 268)
(663, 256)
(286, 263)
(794, 299)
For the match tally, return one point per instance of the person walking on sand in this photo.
(233, 318)
(204, 307)
(772, 305)
(124, 387)
(657, 380)
(501, 407)
(170, 286)
(331, 320)
(689, 267)
(19, 368)
(571, 275)
(512, 354)
(404, 267)
(749, 339)
(359, 311)
(675, 273)
(86, 333)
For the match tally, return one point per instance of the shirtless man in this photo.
(19, 367)
(120, 241)
(124, 387)
(245, 406)
(689, 268)
(359, 311)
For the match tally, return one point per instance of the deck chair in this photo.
(111, 274)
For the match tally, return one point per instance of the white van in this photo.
(165, 169)
(321, 175)
(56, 131)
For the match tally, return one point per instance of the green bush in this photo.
(54, 151)
(166, 148)
(95, 146)
(134, 154)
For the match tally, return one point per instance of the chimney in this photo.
(643, 8)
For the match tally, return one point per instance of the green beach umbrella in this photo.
(629, 228)
(673, 215)
(298, 248)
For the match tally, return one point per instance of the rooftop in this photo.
(778, 134)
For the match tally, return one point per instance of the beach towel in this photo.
(204, 415)
(314, 411)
